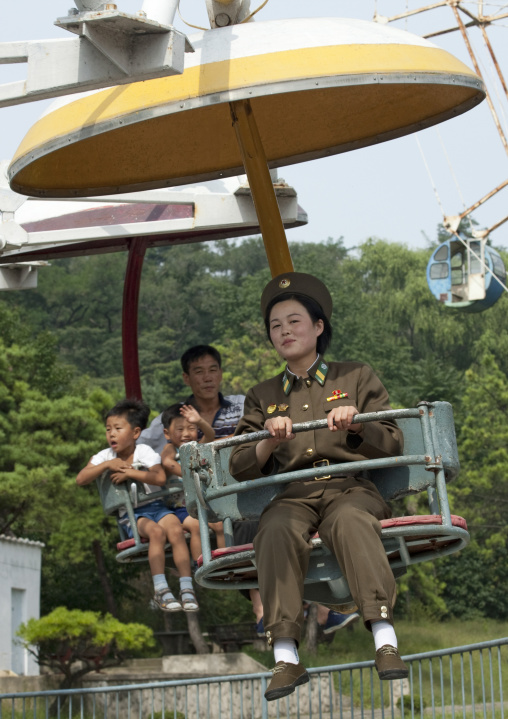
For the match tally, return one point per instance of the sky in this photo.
(387, 191)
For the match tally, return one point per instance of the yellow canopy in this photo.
(317, 87)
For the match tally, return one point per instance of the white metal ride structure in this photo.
(111, 47)
(35, 231)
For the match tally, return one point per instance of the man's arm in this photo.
(153, 435)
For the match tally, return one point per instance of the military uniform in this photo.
(345, 510)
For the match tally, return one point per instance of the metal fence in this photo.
(468, 682)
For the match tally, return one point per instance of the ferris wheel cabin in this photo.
(466, 274)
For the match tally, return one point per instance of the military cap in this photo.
(297, 283)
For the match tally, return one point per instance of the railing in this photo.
(469, 682)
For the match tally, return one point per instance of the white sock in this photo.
(160, 583)
(384, 633)
(284, 650)
(185, 585)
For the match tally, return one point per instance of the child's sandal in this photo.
(167, 605)
(189, 605)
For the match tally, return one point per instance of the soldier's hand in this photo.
(280, 428)
(340, 418)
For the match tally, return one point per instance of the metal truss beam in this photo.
(112, 48)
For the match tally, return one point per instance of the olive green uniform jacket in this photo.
(308, 400)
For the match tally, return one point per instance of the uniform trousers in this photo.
(346, 513)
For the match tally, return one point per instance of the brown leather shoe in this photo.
(389, 665)
(286, 677)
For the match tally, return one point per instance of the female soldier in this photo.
(345, 509)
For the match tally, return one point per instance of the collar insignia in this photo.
(286, 384)
(321, 372)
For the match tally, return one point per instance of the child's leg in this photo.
(157, 538)
(257, 604)
(192, 525)
(219, 533)
(156, 558)
(174, 532)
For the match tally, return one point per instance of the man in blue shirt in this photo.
(201, 366)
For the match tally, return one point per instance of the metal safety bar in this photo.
(212, 494)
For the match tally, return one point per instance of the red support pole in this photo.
(137, 249)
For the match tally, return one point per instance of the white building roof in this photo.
(20, 540)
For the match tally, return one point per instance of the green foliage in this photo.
(47, 437)
(248, 361)
(419, 593)
(474, 582)
(75, 643)
(482, 488)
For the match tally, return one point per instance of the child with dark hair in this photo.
(181, 423)
(126, 460)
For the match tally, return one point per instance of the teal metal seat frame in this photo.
(125, 497)
(430, 460)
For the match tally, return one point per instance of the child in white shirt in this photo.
(124, 423)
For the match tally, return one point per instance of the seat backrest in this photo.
(429, 432)
(132, 493)
(113, 496)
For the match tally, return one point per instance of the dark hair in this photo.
(316, 313)
(171, 413)
(135, 411)
(195, 353)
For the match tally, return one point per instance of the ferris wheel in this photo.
(465, 272)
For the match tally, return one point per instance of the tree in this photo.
(74, 643)
(481, 491)
(48, 431)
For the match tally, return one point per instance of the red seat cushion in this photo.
(127, 543)
(415, 519)
(422, 519)
(217, 553)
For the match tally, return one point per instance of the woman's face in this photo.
(293, 333)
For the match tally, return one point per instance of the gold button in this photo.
(308, 382)
(384, 615)
(305, 406)
(309, 452)
(384, 609)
